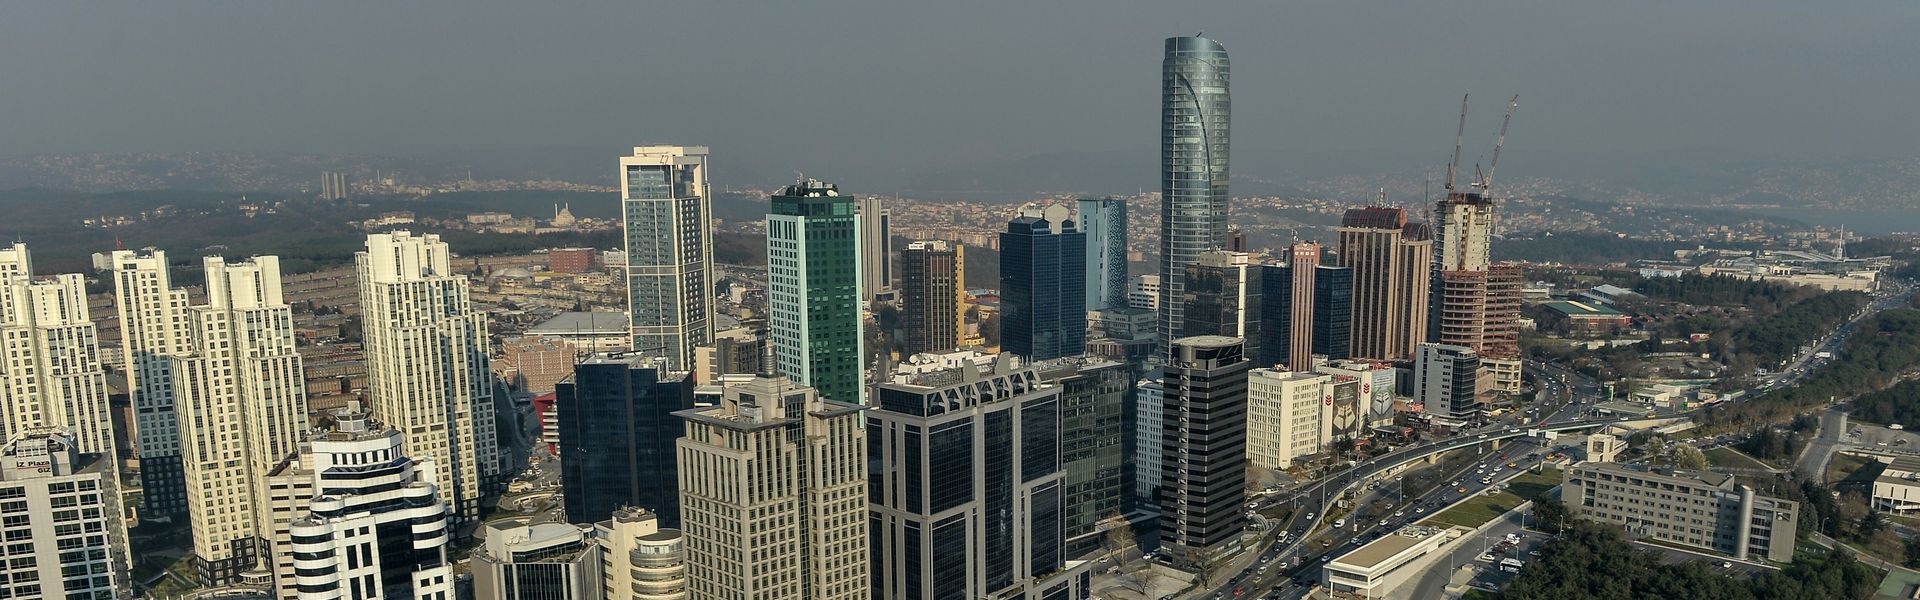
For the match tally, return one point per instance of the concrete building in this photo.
(1475, 302)
(1204, 447)
(930, 294)
(62, 514)
(814, 294)
(375, 528)
(876, 243)
(427, 356)
(587, 332)
(968, 499)
(571, 260)
(1897, 489)
(640, 559)
(773, 494)
(1126, 334)
(1286, 419)
(1043, 312)
(1196, 117)
(1581, 317)
(52, 375)
(1392, 261)
(1223, 297)
(548, 561)
(1150, 410)
(617, 427)
(1383, 565)
(737, 351)
(1704, 510)
(334, 186)
(665, 206)
(153, 328)
(535, 364)
(1449, 382)
(1104, 221)
(1143, 292)
(1376, 380)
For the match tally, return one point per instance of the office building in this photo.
(665, 208)
(153, 328)
(641, 559)
(814, 295)
(1104, 221)
(1195, 120)
(571, 260)
(1376, 380)
(1391, 260)
(773, 494)
(376, 527)
(62, 519)
(289, 491)
(1383, 565)
(617, 429)
(876, 245)
(930, 290)
(1286, 419)
(1150, 407)
(534, 364)
(1126, 334)
(1204, 447)
(52, 376)
(741, 350)
(427, 355)
(1448, 382)
(1143, 292)
(969, 498)
(1705, 510)
(1333, 312)
(1043, 310)
(240, 396)
(1286, 309)
(1096, 438)
(545, 561)
(1223, 296)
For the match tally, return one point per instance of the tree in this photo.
(1549, 514)
(1687, 457)
(1205, 568)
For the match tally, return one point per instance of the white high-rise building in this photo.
(427, 362)
(641, 559)
(153, 328)
(1286, 411)
(62, 517)
(1150, 408)
(666, 206)
(51, 375)
(375, 526)
(773, 494)
(876, 248)
(241, 400)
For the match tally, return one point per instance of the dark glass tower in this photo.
(1224, 298)
(617, 433)
(930, 291)
(1043, 303)
(813, 281)
(1203, 453)
(1333, 312)
(1195, 115)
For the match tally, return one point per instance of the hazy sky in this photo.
(881, 89)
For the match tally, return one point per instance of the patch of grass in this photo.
(1733, 459)
(1845, 465)
(1480, 509)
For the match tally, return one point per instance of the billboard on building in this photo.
(1343, 394)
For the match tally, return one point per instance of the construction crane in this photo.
(1487, 181)
(1458, 133)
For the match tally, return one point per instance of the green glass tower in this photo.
(814, 295)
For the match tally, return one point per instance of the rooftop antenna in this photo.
(1487, 181)
(1458, 133)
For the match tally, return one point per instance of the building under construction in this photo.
(1475, 302)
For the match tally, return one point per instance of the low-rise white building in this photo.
(1376, 569)
(1897, 489)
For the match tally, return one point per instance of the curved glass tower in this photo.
(1195, 115)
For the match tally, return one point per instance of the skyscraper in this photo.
(1043, 298)
(969, 498)
(1287, 295)
(773, 494)
(427, 356)
(1097, 424)
(876, 245)
(63, 512)
(52, 375)
(376, 527)
(645, 560)
(664, 197)
(1391, 260)
(1195, 115)
(1223, 297)
(617, 432)
(333, 186)
(930, 290)
(240, 394)
(1476, 302)
(1204, 447)
(814, 295)
(1333, 312)
(1105, 223)
(153, 328)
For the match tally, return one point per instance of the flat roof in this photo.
(1581, 309)
(582, 323)
(1370, 556)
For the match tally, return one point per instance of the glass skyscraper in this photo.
(1105, 223)
(617, 432)
(1043, 311)
(1195, 115)
(1333, 312)
(665, 207)
(813, 277)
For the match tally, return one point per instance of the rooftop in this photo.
(1581, 309)
(1378, 551)
(582, 323)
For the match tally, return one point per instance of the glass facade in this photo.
(813, 275)
(1094, 443)
(1105, 223)
(1276, 316)
(1195, 114)
(664, 209)
(1333, 312)
(1043, 310)
(617, 434)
